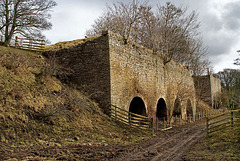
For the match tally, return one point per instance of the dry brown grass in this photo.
(37, 108)
(67, 44)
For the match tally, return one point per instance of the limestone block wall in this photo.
(89, 67)
(136, 71)
(114, 71)
(203, 88)
(215, 91)
(208, 89)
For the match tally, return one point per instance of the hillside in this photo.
(37, 109)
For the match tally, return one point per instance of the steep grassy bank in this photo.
(36, 108)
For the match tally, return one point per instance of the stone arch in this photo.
(177, 109)
(137, 106)
(189, 108)
(161, 112)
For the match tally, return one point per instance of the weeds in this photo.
(36, 107)
(224, 145)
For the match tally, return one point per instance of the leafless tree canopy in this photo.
(166, 29)
(24, 17)
(237, 61)
(230, 79)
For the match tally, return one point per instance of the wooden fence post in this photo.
(115, 113)
(164, 124)
(16, 42)
(129, 119)
(232, 118)
(30, 44)
(156, 124)
(207, 125)
(42, 43)
(179, 120)
(151, 122)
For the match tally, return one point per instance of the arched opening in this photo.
(137, 106)
(177, 108)
(161, 110)
(189, 108)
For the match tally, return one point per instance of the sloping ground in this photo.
(42, 118)
(68, 44)
(38, 110)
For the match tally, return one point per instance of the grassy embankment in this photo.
(222, 145)
(36, 108)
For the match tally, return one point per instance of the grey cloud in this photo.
(219, 31)
(231, 16)
(219, 45)
(211, 23)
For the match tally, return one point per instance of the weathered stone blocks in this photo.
(115, 72)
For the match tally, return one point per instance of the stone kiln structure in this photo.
(130, 76)
(208, 89)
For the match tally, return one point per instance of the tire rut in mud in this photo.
(170, 148)
(169, 145)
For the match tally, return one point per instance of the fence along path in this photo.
(130, 118)
(223, 121)
(165, 124)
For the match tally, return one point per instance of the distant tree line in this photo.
(168, 30)
(230, 79)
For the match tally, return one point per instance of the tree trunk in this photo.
(7, 40)
(9, 34)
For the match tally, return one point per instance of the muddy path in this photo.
(167, 145)
(171, 146)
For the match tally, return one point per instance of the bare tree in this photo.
(237, 61)
(169, 32)
(24, 17)
(177, 37)
(121, 18)
(200, 65)
(230, 79)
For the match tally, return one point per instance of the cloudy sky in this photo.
(220, 24)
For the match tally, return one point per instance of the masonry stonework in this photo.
(115, 71)
(88, 66)
(137, 71)
(208, 89)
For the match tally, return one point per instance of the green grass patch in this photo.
(223, 145)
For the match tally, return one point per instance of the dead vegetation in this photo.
(223, 145)
(42, 118)
(68, 44)
(37, 109)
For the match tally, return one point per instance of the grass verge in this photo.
(223, 145)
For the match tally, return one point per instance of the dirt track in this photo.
(168, 145)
